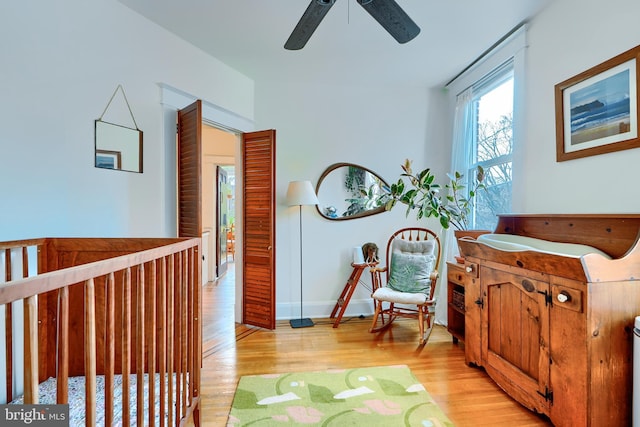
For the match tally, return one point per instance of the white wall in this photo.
(61, 62)
(319, 124)
(569, 37)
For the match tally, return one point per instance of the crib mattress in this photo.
(47, 396)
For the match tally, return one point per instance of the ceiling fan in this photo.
(387, 12)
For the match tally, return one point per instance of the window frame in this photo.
(509, 53)
(487, 84)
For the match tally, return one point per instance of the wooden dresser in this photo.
(556, 332)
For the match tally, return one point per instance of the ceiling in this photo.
(349, 46)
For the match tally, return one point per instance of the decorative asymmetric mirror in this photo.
(118, 147)
(348, 191)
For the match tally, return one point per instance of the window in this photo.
(487, 122)
(491, 144)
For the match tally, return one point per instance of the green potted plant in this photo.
(422, 193)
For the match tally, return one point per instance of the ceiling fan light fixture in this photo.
(393, 18)
(387, 12)
(308, 23)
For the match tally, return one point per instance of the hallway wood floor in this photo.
(465, 394)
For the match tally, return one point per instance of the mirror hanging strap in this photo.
(125, 100)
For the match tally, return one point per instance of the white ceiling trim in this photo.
(211, 113)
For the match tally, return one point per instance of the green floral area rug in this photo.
(388, 396)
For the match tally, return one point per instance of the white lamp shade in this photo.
(301, 193)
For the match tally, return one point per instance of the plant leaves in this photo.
(453, 208)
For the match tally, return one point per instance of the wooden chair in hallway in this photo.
(406, 286)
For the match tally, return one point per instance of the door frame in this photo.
(173, 99)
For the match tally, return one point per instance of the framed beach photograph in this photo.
(597, 110)
(108, 159)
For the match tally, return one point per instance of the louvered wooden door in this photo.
(259, 229)
(258, 151)
(190, 170)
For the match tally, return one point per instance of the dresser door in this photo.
(515, 335)
(473, 305)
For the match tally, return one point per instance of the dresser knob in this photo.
(563, 297)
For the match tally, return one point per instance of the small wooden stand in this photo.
(347, 292)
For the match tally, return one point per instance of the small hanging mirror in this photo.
(118, 147)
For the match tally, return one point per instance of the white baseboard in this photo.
(323, 309)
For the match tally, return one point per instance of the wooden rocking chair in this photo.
(406, 286)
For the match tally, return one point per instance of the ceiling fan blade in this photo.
(308, 23)
(391, 16)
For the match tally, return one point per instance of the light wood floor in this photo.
(465, 394)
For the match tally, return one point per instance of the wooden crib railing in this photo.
(107, 307)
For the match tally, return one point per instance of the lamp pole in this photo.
(302, 322)
(301, 193)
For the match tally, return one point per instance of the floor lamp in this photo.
(301, 193)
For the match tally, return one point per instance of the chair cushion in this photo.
(385, 293)
(411, 265)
